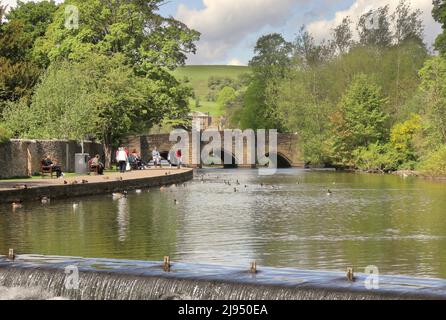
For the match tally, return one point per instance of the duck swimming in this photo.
(17, 205)
(120, 195)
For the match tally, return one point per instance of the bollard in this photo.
(166, 265)
(11, 254)
(254, 267)
(350, 275)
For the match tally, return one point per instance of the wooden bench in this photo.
(44, 170)
(93, 169)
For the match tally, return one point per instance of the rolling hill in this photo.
(199, 77)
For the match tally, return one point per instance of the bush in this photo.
(377, 157)
(5, 135)
(435, 163)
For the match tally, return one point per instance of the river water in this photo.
(395, 224)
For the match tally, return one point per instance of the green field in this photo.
(199, 76)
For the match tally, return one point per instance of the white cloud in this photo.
(224, 23)
(235, 62)
(321, 29)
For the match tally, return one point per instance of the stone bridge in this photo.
(288, 151)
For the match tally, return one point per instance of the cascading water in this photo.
(36, 277)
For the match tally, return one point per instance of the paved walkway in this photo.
(132, 175)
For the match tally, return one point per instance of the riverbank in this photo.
(79, 186)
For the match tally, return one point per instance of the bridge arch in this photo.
(283, 161)
(220, 154)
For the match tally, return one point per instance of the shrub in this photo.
(5, 135)
(435, 163)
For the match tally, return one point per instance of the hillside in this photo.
(199, 77)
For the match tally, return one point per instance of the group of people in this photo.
(126, 161)
(133, 161)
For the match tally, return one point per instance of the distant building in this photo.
(201, 120)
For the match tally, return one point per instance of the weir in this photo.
(108, 279)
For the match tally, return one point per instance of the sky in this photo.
(229, 28)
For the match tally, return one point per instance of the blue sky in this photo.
(230, 28)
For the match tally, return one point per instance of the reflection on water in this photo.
(123, 218)
(286, 220)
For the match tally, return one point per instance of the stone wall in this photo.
(21, 158)
(81, 190)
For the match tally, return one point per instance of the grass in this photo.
(66, 175)
(199, 76)
(24, 179)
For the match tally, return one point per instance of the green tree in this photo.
(34, 16)
(343, 36)
(374, 28)
(435, 163)
(360, 119)
(5, 134)
(439, 14)
(272, 55)
(226, 98)
(133, 28)
(18, 73)
(99, 96)
(408, 23)
(269, 64)
(433, 86)
(310, 54)
(304, 114)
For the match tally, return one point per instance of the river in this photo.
(395, 224)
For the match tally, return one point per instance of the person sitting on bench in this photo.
(97, 164)
(47, 164)
(135, 161)
(156, 157)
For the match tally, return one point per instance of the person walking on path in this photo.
(122, 158)
(179, 157)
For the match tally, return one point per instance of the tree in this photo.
(433, 86)
(272, 54)
(34, 16)
(62, 106)
(106, 100)
(18, 72)
(18, 75)
(2, 12)
(306, 115)
(133, 28)
(439, 14)
(309, 54)
(408, 24)
(343, 36)
(272, 59)
(360, 119)
(226, 98)
(374, 28)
